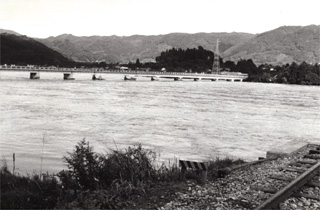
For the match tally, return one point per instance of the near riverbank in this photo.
(126, 179)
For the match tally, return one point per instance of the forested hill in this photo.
(21, 50)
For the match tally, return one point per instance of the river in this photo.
(42, 120)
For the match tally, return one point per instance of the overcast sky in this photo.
(44, 18)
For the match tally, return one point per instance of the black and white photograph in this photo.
(160, 104)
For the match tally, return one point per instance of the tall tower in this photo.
(216, 61)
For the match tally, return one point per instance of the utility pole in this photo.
(216, 60)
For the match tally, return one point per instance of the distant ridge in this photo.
(146, 48)
(283, 45)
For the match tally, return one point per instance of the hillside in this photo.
(22, 50)
(146, 48)
(283, 45)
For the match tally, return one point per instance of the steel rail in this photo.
(290, 189)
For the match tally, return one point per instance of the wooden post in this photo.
(183, 173)
(204, 177)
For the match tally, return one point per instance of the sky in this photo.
(44, 18)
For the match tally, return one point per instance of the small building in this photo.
(124, 68)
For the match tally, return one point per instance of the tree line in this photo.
(200, 60)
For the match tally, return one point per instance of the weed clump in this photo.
(114, 178)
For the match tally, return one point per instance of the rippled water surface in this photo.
(189, 120)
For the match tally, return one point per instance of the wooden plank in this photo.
(289, 190)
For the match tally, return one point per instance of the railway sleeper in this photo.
(315, 157)
(297, 194)
(310, 162)
(300, 165)
(298, 170)
(309, 183)
(314, 151)
(303, 163)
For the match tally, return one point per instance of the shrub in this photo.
(83, 165)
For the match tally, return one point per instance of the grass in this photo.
(27, 192)
(122, 179)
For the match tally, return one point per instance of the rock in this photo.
(307, 203)
(294, 206)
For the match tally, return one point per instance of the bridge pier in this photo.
(68, 76)
(34, 75)
(155, 78)
(197, 79)
(177, 79)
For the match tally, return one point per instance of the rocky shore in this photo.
(242, 188)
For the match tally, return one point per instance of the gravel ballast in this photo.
(244, 188)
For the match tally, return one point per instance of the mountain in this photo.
(145, 48)
(283, 45)
(22, 50)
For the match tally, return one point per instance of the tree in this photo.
(230, 65)
(83, 165)
(138, 64)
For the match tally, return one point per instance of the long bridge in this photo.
(154, 75)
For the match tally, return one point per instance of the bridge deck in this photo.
(168, 75)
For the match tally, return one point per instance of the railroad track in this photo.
(294, 181)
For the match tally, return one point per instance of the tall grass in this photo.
(27, 192)
(41, 157)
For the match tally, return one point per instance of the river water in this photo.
(42, 120)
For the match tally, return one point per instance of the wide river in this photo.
(42, 120)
